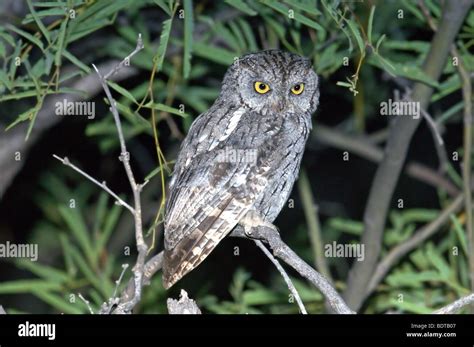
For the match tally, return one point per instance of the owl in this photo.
(240, 159)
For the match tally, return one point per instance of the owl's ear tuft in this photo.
(307, 63)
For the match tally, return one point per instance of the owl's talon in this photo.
(248, 232)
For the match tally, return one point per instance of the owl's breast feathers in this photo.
(216, 182)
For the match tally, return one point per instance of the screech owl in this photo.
(240, 159)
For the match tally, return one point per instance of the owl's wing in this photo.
(204, 214)
(208, 198)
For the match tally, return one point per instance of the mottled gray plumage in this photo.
(240, 158)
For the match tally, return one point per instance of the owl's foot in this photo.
(252, 222)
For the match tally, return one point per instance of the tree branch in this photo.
(136, 188)
(457, 305)
(396, 149)
(285, 253)
(102, 185)
(184, 305)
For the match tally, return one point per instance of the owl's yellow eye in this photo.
(261, 87)
(297, 89)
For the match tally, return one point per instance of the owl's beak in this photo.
(279, 104)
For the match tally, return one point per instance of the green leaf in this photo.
(411, 307)
(2, 50)
(356, 33)
(100, 284)
(5, 80)
(344, 84)
(164, 37)
(460, 233)
(165, 108)
(401, 279)
(109, 225)
(262, 296)
(122, 91)
(38, 21)
(78, 228)
(438, 261)
(249, 35)
(242, 6)
(25, 116)
(370, 25)
(297, 16)
(215, 54)
(27, 286)
(27, 36)
(57, 302)
(407, 70)
(379, 42)
(61, 42)
(45, 13)
(67, 254)
(188, 37)
(69, 56)
(412, 45)
(347, 226)
(163, 6)
(45, 272)
(157, 170)
(222, 31)
(8, 38)
(306, 6)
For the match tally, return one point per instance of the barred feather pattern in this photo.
(241, 156)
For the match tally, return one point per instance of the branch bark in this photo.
(184, 305)
(457, 305)
(285, 253)
(402, 131)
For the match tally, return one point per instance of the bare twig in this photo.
(285, 276)
(184, 305)
(396, 253)
(285, 253)
(153, 265)
(117, 282)
(136, 188)
(88, 304)
(102, 185)
(401, 132)
(457, 305)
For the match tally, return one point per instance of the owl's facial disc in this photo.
(276, 82)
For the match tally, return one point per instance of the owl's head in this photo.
(274, 82)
